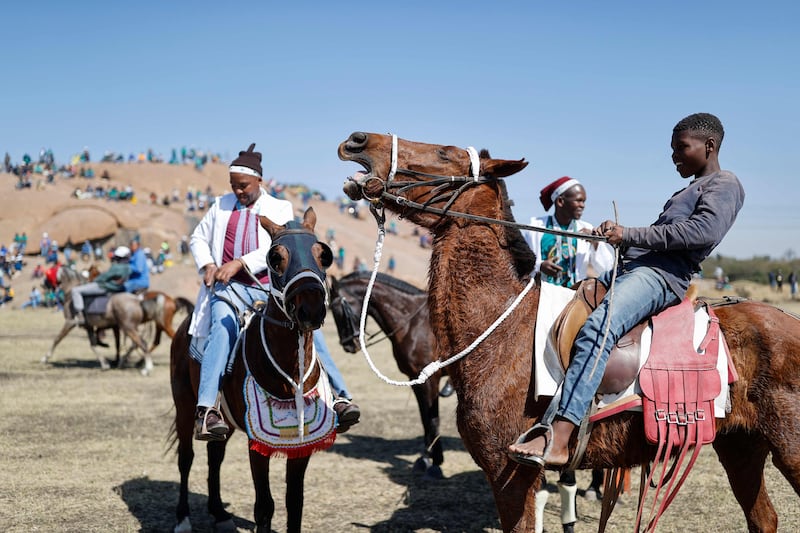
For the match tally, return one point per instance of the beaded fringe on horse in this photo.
(272, 426)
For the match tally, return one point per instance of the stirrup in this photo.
(218, 433)
(533, 460)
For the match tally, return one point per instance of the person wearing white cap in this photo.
(112, 280)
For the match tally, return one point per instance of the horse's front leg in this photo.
(427, 395)
(68, 325)
(295, 478)
(264, 508)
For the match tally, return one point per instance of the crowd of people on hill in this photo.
(51, 256)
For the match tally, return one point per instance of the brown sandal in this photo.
(209, 424)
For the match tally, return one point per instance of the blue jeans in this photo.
(638, 294)
(334, 376)
(222, 336)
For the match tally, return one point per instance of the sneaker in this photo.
(209, 424)
(347, 414)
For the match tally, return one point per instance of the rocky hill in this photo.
(59, 209)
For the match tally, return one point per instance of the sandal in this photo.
(210, 425)
(533, 460)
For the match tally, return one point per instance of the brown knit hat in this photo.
(248, 162)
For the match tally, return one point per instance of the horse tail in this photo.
(183, 304)
(171, 440)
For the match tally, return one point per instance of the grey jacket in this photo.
(691, 225)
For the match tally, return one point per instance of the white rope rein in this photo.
(299, 402)
(432, 367)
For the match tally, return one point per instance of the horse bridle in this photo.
(440, 183)
(349, 318)
(351, 321)
(302, 264)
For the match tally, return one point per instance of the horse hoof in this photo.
(45, 359)
(434, 473)
(184, 527)
(226, 526)
(422, 464)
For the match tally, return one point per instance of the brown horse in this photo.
(125, 312)
(401, 311)
(295, 253)
(478, 267)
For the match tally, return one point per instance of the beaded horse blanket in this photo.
(276, 427)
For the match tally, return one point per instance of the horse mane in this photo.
(384, 279)
(523, 257)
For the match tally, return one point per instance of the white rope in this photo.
(435, 366)
(299, 402)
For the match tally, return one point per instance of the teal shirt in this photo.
(113, 279)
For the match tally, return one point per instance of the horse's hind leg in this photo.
(223, 520)
(295, 477)
(132, 334)
(743, 456)
(185, 460)
(264, 508)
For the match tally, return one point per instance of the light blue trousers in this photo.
(638, 294)
(222, 337)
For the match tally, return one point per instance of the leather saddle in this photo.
(624, 361)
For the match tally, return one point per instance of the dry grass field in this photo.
(86, 450)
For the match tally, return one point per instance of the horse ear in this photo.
(334, 283)
(309, 219)
(270, 226)
(500, 168)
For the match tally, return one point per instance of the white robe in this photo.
(601, 259)
(208, 241)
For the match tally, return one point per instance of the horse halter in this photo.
(297, 241)
(439, 182)
(346, 322)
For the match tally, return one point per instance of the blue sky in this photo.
(585, 89)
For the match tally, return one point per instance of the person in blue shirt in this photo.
(139, 279)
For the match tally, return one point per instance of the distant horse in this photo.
(401, 311)
(125, 312)
(297, 263)
(479, 266)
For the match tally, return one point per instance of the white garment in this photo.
(601, 259)
(208, 242)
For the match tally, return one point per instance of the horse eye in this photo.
(326, 257)
(274, 259)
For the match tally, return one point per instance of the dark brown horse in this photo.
(401, 311)
(478, 267)
(124, 312)
(304, 312)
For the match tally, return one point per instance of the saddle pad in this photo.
(548, 373)
(679, 381)
(272, 423)
(96, 305)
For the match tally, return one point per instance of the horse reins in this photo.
(347, 312)
(439, 182)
